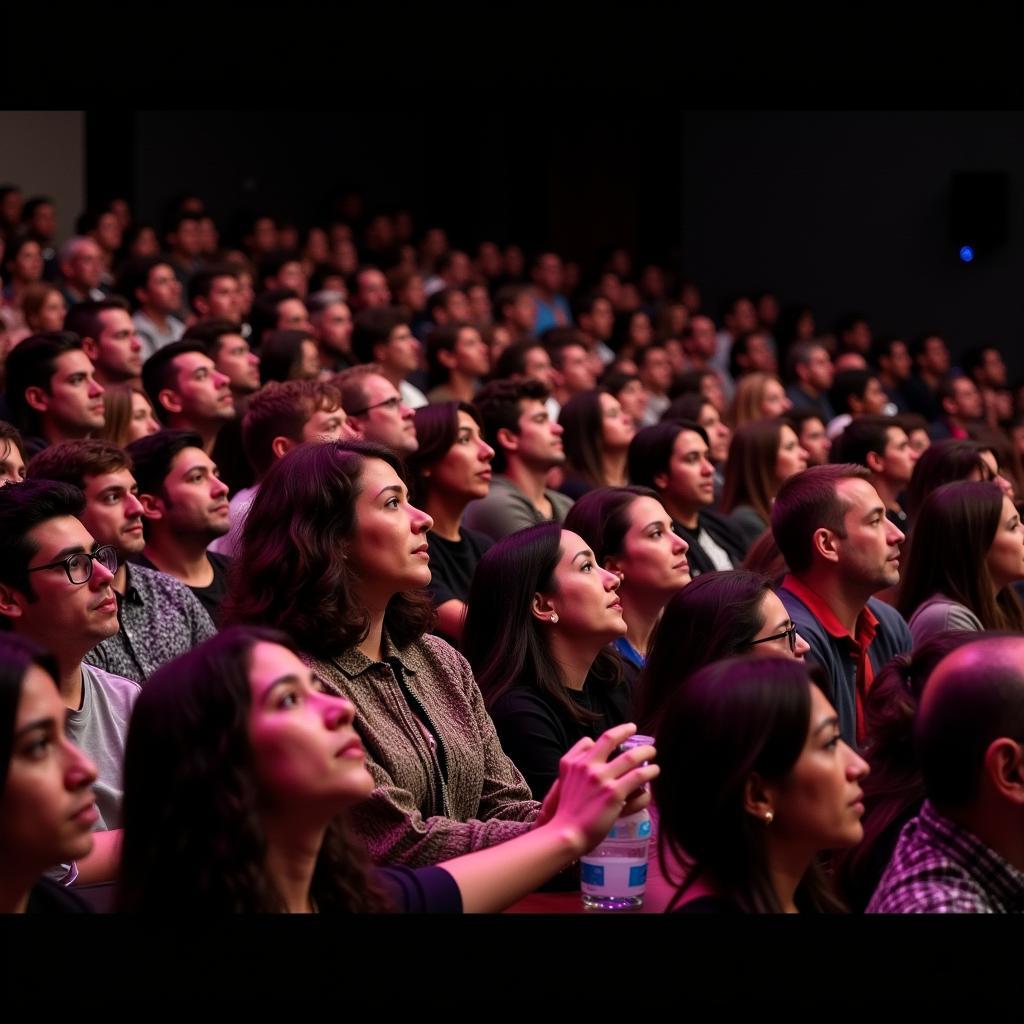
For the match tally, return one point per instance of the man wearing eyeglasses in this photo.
(55, 588)
(160, 618)
(375, 409)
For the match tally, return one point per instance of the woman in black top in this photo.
(47, 808)
(450, 468)
(756, 782)
(541, 612)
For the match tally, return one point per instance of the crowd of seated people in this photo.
(337, 564)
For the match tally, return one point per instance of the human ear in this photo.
(1004, 767)
(824, 543)
(507, 439)
(874, 462)
(542, 608)
(152, 506)
(759, 799)
(661, 481)
(170, 400)
(281, 446)
(11, 602)
(37, 398)
(91, 348)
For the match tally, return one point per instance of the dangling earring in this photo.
(769, 817)
(554, 618)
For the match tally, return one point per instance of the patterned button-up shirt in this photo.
(941, 868)
(160, 618)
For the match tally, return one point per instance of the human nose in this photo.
(221, 380)
(800, 646)
(133, 507)
(101, 575)
(612, 580)
(136, 343)
(79, 771)
(557, 428)
(217, 487)
(406, 412)
(421, 522)
(337, 711)
(895, 536)
(857, 767)
(679, 546)
(486, 452)
(95, 388)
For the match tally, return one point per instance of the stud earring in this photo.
(769, 817)
(554, 618)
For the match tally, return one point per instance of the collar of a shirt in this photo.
(867, 621)
(354, 663)
(999, 876)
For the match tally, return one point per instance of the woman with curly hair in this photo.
(240, 770)
(334, 554)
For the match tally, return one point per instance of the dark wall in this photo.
(848, 210)
(588, 176)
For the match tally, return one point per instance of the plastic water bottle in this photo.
(613, 876)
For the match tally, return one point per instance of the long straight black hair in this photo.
(503, 641)
(730, 720)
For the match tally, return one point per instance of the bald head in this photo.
(974, 698)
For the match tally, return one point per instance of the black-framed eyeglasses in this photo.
(388, 403)
(79, 565)
(790, 634)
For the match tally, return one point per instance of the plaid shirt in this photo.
(940, 868)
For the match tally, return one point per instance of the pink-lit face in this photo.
(653, 558)
(328, 425)
(118, 348)
(465, 470)
(238, 363)
(776, 621)
(12, 465)
(1005, 558)
(194, 500)
(773, 400)
(113, 512)
(389, 550)
(306, 755)
(75, 399)
(617, 428)
(819, 804)
(52, 313)
(47, 807)
(791, 459)
(142, 422)
(585, 597)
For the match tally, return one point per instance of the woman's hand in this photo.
(591, 791)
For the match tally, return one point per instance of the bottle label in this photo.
(613, 876)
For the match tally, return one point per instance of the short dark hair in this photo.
(498, 405)
(70, 462)
(281, 353)
(263, 315)
(978, 701)
(271, 264)
(32, 364)
(158, 371)
(512, 361)
(152, 456)
(601, 518)
(200, 284)
(208, 334)
(23, 507)
(373, 327)
(807, 502)
(134, 274)
(282, 409)
(862, 435)
(849, 384)
(651, 449)
(84, 320)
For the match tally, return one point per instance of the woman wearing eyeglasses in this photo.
(716, 616)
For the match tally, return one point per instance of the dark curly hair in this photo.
(193, 842)
(292, 570)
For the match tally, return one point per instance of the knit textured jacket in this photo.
(432, 801)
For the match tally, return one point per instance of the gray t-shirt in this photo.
(100, 728)
(506, 510)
